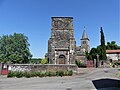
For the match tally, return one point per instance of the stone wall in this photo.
(38, 67)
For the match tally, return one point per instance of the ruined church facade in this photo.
(62, 45)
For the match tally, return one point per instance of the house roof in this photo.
(113, 51)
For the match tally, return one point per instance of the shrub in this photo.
(78, 63)
(60, 73)
(38, 73)
(118, 74)
(14, 73)
(49, 73)
(53, 73)
(10, 74)
(35, 73)
(44, 61)
(27, 74)
(19, 74)
(46, 73)
(57, 73)
(66, 73)
(42, 74)
(70, 72)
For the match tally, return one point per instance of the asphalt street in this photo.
(82, 81)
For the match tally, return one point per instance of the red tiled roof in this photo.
(113, 51)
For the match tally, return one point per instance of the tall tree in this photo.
(103, 47)
(14, 48)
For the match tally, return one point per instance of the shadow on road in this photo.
(106, 84)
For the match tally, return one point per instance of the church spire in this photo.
(85, 42)
(84, 36)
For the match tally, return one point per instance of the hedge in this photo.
(29, 74)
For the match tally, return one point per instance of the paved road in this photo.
(79, 82)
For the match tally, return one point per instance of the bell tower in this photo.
(62, 44)
(85, 42)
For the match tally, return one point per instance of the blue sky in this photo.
(33, 19)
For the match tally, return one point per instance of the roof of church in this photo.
(84, 36)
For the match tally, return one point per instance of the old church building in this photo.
(62, 47)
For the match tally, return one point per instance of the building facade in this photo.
(62, 45)
(83, 48)
(113, 55)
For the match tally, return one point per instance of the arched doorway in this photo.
(62, 59)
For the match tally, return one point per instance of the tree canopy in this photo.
(112, 46)
(14, 48)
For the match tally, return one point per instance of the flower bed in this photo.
(29, 74)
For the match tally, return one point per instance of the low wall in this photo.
(38, 67)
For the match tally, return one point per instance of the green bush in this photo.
(118, 74)
(19, 74)
(44, 61)
(35, 73)
(78, 63)
(59, 73)
(70, 72)
(66, 73)
(38, 73)
(10, 74)
(29, 74)
(46, 73)
(42, 74)
(14, 73)
(53, 73)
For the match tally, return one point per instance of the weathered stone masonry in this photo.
(62, 45)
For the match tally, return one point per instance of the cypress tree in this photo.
(103, 47)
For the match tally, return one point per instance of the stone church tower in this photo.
(62, 44)
(85, 42)
(81, 50)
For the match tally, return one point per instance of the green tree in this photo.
(112, 46)
(88, 56)
(44, 61)
(93, 53)
(103, 47)
(14, 48)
